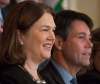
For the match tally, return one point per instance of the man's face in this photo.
(3, 3)
(77, 46)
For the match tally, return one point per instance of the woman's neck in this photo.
(31, 68)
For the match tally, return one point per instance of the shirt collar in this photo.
(66, 76)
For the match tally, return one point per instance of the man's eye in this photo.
(81, 37)
(91, 39)
(45, 29)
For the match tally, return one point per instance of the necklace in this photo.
(37, 81)
(40, 81)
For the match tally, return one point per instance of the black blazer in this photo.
(50, 74)
(12, 74)
(90, 77)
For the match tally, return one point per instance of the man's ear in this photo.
(58, 43)
(20, 37)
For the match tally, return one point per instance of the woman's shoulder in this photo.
(13, 74)
(10, 69)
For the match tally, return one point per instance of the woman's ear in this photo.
(20, 37)
(58, 43)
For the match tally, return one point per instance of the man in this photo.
(72, 48)
(92, 75)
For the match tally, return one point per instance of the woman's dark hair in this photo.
(21, 18)
(96, 46)
(96, 40)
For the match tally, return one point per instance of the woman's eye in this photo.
(48, 29)
(45, 28)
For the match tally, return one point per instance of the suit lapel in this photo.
(51, 73)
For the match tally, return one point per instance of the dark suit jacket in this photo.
(50, 74)
(12, 74)
(91, 77)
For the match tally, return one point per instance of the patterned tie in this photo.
(1, 22)
(73, 81)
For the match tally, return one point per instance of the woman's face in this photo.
(38, 41)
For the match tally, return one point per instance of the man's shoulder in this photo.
(47, 66)
(51, 74)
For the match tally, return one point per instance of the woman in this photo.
(27, 41)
